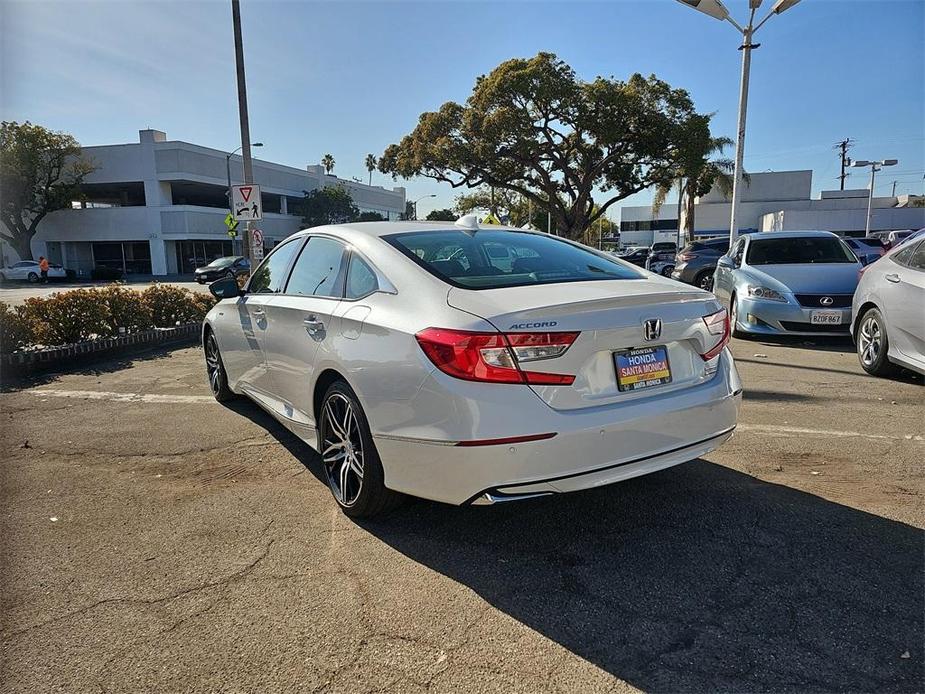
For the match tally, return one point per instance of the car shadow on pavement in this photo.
(842, 344)
(697, 578)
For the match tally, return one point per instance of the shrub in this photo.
(67, 317)
(15, 329)
(126, 308)
(102, 272)
(171, 305)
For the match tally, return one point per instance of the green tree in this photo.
(40, 172)
(371, 163)
(444, 215)
(409, 211)
(370, 217)
(328, 205)
(327, 161)
(696, 176)
(533, 128)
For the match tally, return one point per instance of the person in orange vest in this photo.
(43, 268)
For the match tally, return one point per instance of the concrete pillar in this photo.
(158, 256)
(283, 204)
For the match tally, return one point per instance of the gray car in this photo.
(696, 262)
(788, 283)
(888, 312)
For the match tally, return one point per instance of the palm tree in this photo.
(697, 178)
(327, 161)
(371, 166)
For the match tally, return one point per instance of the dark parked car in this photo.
(637, 256)
(697, 261)
(867, 250)
(229, 266)
(662, 251)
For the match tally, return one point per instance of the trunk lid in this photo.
(610, 317)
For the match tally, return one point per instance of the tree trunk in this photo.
(23, 246)
(689, 216)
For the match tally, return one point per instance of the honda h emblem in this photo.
(827, 301)
(652, 329)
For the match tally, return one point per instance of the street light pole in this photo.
(875, 166)
(242, 109)
(716, 9)
(415, 203)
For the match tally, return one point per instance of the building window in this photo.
(131, 257)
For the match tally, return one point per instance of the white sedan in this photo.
(417, 362)
(28, 270)
(888, 311)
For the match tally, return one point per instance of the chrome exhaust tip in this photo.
(491, 498)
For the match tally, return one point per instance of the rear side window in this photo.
(918, 258)
(317, 272)
(361, 280)
(271, 275)
(490, 259)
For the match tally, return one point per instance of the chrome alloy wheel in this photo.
(213, 365)
(870, 341)
(342, 449)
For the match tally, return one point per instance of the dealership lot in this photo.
(155, 540)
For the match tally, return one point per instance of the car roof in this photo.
(791, 234)
(379, 229)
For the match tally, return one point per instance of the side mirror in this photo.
(725, 261)
(225, 288)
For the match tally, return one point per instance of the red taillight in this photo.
(495, 357)
(684, 257)
(717, 324)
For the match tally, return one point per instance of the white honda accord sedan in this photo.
(472, 365)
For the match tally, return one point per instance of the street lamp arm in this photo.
(761, 23)
(734, 23)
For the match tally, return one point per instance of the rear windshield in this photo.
(493, 259)
(798, 250)
(877, 243)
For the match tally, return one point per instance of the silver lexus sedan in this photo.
(472, 365)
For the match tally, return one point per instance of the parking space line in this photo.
(151, 398)
(774, 429)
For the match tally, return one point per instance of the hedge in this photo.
(84, 314)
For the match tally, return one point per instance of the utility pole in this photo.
(893, 192)
(242, 112)
(844, 145)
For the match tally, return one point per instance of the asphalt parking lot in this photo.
(153, 540)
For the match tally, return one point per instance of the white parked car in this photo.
(888, 311)
(28, 270)
(472, 365)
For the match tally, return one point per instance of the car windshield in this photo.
(221, 262)
(493, 259)
(798, 250)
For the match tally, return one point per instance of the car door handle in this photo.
(892, 277)
(258, 312)
(313, 325)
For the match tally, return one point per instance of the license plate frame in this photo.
(632, 378)
(825, 318)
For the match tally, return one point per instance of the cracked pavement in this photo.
(190, 551)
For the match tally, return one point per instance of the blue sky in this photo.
(351, 78)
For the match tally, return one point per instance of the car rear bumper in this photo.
(591, 447)
(759, 317)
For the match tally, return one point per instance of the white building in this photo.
(158, 207)
(778, 201)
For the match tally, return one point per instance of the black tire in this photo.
(229, 274)
(873, 344)
(215, 370)
(704, 280)
(33, 277)
(667, 270)
(360, 491)
(733, 318)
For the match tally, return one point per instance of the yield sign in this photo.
(246, 202)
